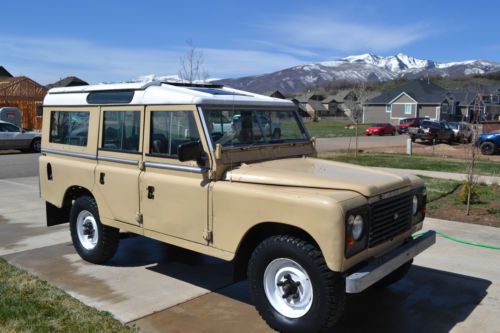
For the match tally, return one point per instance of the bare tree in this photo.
(469, 190)
(192, 65)
(354, 104)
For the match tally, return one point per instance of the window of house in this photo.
(408, 108)
(388, 108)
(69, 128)
(121, 131)
(169, 129)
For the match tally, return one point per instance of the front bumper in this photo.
(383, 266)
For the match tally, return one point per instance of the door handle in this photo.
(101, 178)
(151, 192)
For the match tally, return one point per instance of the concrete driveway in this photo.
(452, 287)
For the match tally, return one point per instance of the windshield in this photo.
(245, 127)
(453, 125)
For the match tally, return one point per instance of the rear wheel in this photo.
(487, 148)
(292, 287)
(94, 242)
(413, 138)
(36, 145)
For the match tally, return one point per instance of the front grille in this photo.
(389, 218)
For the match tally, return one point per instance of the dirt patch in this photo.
(485, 212)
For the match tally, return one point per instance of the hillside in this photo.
(368, 68)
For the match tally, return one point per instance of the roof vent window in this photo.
(110, 97)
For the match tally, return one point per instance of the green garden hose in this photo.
(417, 234)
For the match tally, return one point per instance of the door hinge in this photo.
(139, 218)
(207, 235)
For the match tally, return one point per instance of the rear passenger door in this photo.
(119, 157)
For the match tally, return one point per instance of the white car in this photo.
(462, 132)
(13, 137)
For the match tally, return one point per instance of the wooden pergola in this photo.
(27, 96)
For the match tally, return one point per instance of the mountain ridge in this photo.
(366, 67)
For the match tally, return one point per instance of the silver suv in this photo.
(13, 137)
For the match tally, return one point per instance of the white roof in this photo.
(158, 92)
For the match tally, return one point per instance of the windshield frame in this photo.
(293, 110)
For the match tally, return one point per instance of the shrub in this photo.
(464, 192)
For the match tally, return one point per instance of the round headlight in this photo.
(356, 226)
(415, 205)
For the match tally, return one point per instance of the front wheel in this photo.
(292, 287)
(487, 148)
(94, 242)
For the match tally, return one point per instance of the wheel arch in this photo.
(254, 236)
(59, 215)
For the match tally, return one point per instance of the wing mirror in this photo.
(191, 151)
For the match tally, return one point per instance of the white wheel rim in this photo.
(276, 285)
(86, 227)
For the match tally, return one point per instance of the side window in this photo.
(121, 130)
(169, 129)
(9, 128)
(69, 128)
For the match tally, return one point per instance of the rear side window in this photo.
(121, 131)
(169, 129)
(69, 128)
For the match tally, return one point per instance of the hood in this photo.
(318, 173)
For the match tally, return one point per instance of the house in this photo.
(310, 105)
(70, 81)
(335, 104)
(275, 94)
(26, 95)
(4, 74)
(418, 98)
(485, 107)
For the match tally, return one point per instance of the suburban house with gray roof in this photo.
(418, 98)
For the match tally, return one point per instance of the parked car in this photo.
(489, 143)
(13, 137)
(405, 123)
(381, 129)
(462, 132)
(432, 131)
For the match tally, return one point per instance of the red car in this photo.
(381, 129)
(405, 123)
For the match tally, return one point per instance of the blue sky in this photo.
(121, 40)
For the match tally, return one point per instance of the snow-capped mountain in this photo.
(364, 67)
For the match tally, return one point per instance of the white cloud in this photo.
(333, 33)
(49, 59)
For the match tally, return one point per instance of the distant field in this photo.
(419, 162)
(332, 128)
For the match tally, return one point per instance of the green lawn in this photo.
(332, 128)
(419, 162)
(28, 304)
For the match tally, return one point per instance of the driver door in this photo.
(173, 194)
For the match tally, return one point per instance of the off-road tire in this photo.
(487, 148)
(35, 145)
(108, 237)
(395, 276)
(328, 287)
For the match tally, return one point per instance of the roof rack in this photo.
(195, 85)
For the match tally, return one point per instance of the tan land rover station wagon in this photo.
(233, 175)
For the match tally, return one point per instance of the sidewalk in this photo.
(442, 175)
